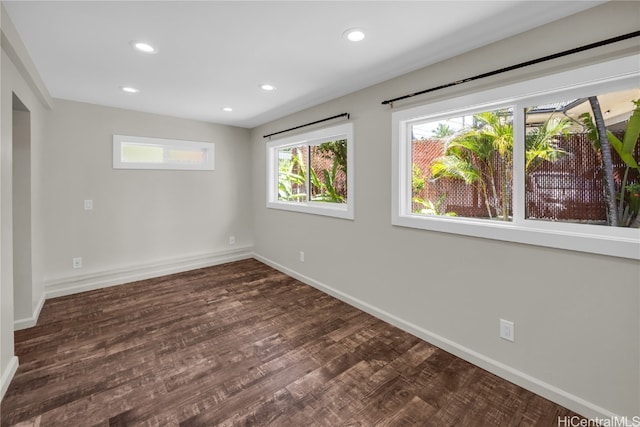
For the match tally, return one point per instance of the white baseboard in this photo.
(88, 282)
(30, 322)
(7, 375)
(535, 385)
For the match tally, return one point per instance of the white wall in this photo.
(6, 291)
(144, 222)
(576, 315)
(15, 82)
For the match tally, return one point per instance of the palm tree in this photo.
(598, 134)
(605, 151)
(442, 131)
(482, 156)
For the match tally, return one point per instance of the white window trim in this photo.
(612, 75)
(338, 210)
(207, 147)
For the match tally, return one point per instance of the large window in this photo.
(136, 152)
(312, 172)
(525, 163)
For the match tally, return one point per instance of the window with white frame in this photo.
(524, 162)
(312, 172)
(137, 152)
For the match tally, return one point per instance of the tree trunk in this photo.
(607, 163)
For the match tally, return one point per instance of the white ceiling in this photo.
(214, 54)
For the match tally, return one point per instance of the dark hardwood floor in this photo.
(243, 344)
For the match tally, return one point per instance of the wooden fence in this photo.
(569, 189)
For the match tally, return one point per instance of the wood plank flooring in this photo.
(242, 344)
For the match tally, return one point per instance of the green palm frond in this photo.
(540, 143)
(454, 167)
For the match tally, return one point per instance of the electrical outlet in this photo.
(232, 240)
(507, 330)
(301, 256)
(88, 205)
(77, 262)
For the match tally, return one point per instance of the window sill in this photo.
(611, 241)
(332, 210)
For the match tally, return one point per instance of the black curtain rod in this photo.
(520, 65)
(308, 124)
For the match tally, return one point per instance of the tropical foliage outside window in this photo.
(619, 152)
(311, 172)
(316, 173)
(463, 166)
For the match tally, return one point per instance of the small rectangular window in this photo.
(135, 152)
(312, 172)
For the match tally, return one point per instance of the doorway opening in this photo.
(21, 201)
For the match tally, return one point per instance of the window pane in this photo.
(328, 172)
(142, 153)
(462, 166)
(138, 152)
(193, 156)
(292, 172)
(564, 166)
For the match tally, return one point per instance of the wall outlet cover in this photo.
(507, 330)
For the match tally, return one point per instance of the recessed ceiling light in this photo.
(354, 35)
(129, 89)
(227, 109)
(267, 87)
(143, 47)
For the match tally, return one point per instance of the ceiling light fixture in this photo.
(227, 109)
(354, 35)
(267, 87)
(129, 89)
(143, 47)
